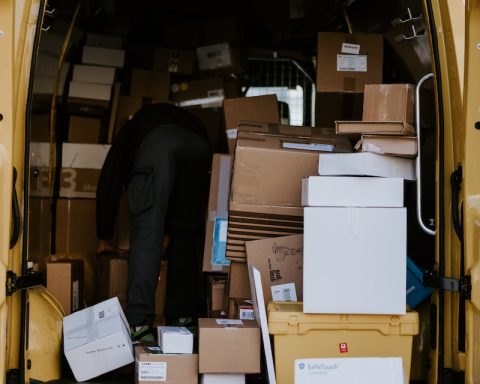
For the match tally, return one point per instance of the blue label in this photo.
(220, 242)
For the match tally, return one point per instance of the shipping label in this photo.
(310, 147)
(228, 322)
(246, 314)
(353, 49)
(284, 292)
(352, 63)
(152, 371)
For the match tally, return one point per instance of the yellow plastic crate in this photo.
(299, 335)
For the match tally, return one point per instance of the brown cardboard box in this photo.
(217, 295)
(247, 222)
(280, 263)
(65, 282)
(39, 127)
(152, 84)
(204, 92)
(152, 366)
(79, 182)
(217, 212)
(39, 224)
(238, 281)
(401, 146)
(112, 272)
(389, 102)
(337, 106)
(84, 130)
(261, 109)
(173, 61)
(241, 309)
(229, 346)
(345, 63)
(269, 166)
(355, 128)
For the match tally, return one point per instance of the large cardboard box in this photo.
(152, 84)
(203, 92)
(79, 182)
(93, 74)
(330, 107)
(174, 61)
(248, 222)
(84, 129)
(269, 168)
(389, 102)
(326, 191)
(240, 341)
(280, 263)
(96, 340)
(85, 156)
(103, 56)
(216, 230)
(239, 282)
(346, 62)
(65, 282)
(366, 164)
(152, 366)
(355, 260)
(400, 146)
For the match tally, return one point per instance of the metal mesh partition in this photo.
(291, 83)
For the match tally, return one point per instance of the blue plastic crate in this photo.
(416, 291)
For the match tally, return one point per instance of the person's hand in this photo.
(106, 246)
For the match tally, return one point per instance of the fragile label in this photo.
(152, 371)
(229, 322)
(284, 292)
(310, 147)
(352, 63)
(246, 314)
(353, 49)
(75, 299)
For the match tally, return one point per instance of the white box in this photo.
(175, 339)
(222, 378)
(93, 74)
(337, 191)
(359, 370)
(366, 164)
(214, 57)
(90, 91)
(103, 56)
(96, 340)
(89, 156)
(354, 260)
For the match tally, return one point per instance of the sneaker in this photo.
(141, 333)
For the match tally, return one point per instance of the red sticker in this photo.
(343, 348)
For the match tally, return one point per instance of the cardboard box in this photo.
(247, 222)
(215, 235)
(65, 282)
(330, 107)
(346, 62)
(153, 366)
(96, 340)
(103, 56)
(269, 168)
(401, 146)
(93, 74)
(173, 61)
(205, 93)
(84, 129)
(104, 41)
(261, 109)
(175, 339)
(90, 91)
(222, 378)
(366, 164)
(240, 341)
(152, 84)
(389, 102)
(78, 182)
(217, 295)
(219, 57)
(241, 309)
(361, 370)
(326, 191)
(355, 128)
(280, 262)
(239, 282)
(372, 243)
(86, 156)
(112, 272)
(40, 127)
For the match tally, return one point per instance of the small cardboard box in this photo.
(79, 182)
(372, 243)
(85, 156)
(240, 346)
(103, 56)
(217, 295)
(366, 164)
(152, 366)
(389, 102)
(400, 146)
(112, 272)
(219, 57)
(96, 340)
(93, 74)
(222, 378)
(346, 62)
(84, 130)
(173, 61)
(239, 282)
(152, 84)
(65, 282)
(280, 263)
(175, 339)
(326, 191)
(203, 92)
(215, 235)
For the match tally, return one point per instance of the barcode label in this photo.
(284, 292)
(152, 371)
(247, 314)
(351, 63)
(229, 322)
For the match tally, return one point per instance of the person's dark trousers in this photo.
(166, 192)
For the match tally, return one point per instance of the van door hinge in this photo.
(15, 283)
(463, 285)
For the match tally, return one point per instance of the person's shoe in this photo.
(141, 333)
